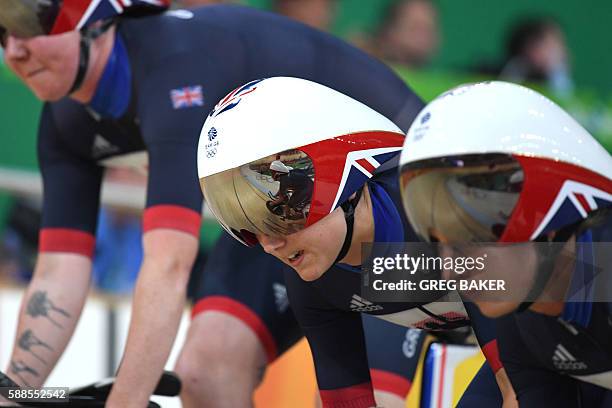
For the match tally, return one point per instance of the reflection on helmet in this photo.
(499, 162)
(259, 203)
(461, 199)
(279, 166)
(275, 170)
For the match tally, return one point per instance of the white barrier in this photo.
(114, 194)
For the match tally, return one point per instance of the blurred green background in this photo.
(473, 30)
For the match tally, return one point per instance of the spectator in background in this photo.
(536, 52)
(409, 34)
(19, 240)
(118, 246)
(118, 240)
(118, 251)
(9, 265)
(315, 13)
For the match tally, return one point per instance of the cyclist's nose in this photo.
(14, 48)
(271, 244)
(436, 235)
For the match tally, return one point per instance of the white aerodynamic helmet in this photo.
(329, 143)
(498, 162)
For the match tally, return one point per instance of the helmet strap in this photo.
(87, 36)
(348, 207)
(546, 266)
(544, 271)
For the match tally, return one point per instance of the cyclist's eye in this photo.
(3, 36)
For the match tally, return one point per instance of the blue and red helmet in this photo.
(325, 143)
(29, 18)
(498, 162)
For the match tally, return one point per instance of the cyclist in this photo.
(128, 91)
(498, 162)
(352, 152)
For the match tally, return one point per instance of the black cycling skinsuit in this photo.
(329, 308)
(164, 75)
(564, 361)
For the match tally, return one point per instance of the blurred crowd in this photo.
(409, 34)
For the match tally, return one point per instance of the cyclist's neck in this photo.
(99, 53)
(551, 300)
(363, 229)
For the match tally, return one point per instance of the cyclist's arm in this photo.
(159, 300)
(338, 347)
(485, 330)
(49, 312)
(171, 225)
(171, 221)
(54, 299)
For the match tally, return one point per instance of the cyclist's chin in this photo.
(310, 269)
(497, 309)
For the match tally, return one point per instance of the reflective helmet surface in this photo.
(496, 161)
(321, 144)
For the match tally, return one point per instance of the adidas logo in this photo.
(564, 360)
(102, 147)
(359, 304)
(280, 297)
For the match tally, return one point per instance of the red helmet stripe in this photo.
(583, 202)
(334, 159)
(76, 14)
(546, 187)
(70, 15)
(367, 166)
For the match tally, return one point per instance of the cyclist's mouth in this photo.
(35, 72)
(296, 258)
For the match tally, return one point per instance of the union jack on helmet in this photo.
(29, 18)
(498, 162)
(330, 144)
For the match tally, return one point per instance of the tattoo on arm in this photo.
(28, 340)
(19, 367)
(40, 305)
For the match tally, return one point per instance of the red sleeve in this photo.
(66, 240)
(71, 192)
(355, 396)
(491, 353)
(486, 334)
(172, 217)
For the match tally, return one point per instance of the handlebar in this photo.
(92, 395)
